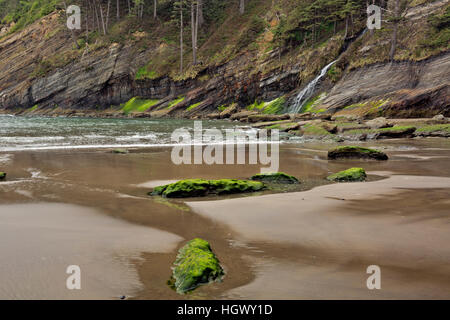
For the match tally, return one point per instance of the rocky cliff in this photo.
(42, 72)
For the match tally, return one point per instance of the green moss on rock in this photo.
(434, 128)
(2, 175)
(352, 174)
(195, 265)
(356, 152)
(438, 130)
(199, 188)
(120, 151)
(276, 177)
(173, 103)
(185, 188)
(314, 130)
(138, 105)
(230, 186)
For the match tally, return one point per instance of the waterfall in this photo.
(307, 92)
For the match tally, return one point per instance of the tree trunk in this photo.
(87, 23)
(194, 35)
(314, 26)
(96, 16)
(196, 25)
(201, 19)
(155, 4)
(181, 41)
(351, 24)
(118, 9)
(107, 15)
(394, 32)
(346, 27)
(241, 6)
(103, 20)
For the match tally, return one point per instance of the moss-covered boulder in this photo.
(230, 186)
(352, 174)
(120, 151)
(195, 265)
(356, 152)
(437, 130)
(276, 177)
(183, 189)
(396, 132)
(2, 175)
(199, 188)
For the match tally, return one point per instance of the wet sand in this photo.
(39, 241)
(274, 246)
(329, 228)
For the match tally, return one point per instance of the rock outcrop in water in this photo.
(195, 265)
(349, 175)
(276, 177)
(200, 188)
(119, 151)
(348, 152)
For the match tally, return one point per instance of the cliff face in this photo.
(39, 67)
(407, 88)
(104, 77)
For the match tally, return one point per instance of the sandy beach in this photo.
(332, 233)
(91, 208)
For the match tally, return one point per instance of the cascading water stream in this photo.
(307, 92)
(304, 95)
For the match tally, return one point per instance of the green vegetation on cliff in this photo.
(22, 13)
(280, 44)
(138, 105)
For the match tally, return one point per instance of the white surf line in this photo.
(112, 146)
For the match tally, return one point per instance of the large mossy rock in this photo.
(396, 132)
(199, 188)
(356, 152)
(230, 186)
(119, 151)
(2, 175)
(349, 175)
(195, 265)
(276, 177)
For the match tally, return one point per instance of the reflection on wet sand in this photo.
(345, 228)
(39, 241)
(271, 246)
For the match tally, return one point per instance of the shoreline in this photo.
(323, 227)
(117, 186)
(306, 127)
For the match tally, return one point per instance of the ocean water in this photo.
(45, 133)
